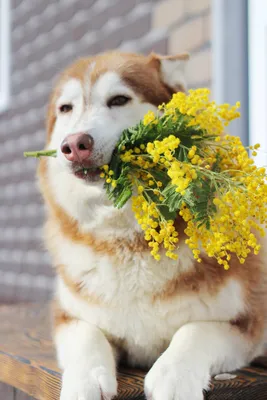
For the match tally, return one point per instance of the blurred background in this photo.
(227, 41)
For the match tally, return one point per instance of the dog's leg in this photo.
(87, 360)
(197, 351)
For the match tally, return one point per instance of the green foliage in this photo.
(198, 197)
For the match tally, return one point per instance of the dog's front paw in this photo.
(174, 379)
(92, 384)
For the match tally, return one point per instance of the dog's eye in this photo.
(118, 101)
(65, 108)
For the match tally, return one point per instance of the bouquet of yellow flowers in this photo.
(179, 162)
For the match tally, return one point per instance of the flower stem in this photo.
(40, 153)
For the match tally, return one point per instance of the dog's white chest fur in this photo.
(121, 299)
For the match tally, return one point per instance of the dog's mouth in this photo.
(86, 173)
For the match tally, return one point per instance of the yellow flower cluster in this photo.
(107, 174)
(215, 168)
(180, 163)
(163, 147)
(181, 175)
(241, 205)
(203, 113)
(230, 230)
(150, 118)
(157, 231)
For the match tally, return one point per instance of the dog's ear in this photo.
(171, 69)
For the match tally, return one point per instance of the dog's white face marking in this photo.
(92, 114)
(87, 82)
(72, 93)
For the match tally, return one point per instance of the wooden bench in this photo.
(28, 366)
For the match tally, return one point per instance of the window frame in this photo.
(230, 60)
(5, 54)
(257, 77)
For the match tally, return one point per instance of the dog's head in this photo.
(94, 100)
(97, 98)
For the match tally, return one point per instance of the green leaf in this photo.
(123, 197)
(173, 199)
(167, 213)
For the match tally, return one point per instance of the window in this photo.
(230, 59)
(258, 76)
(5, 38)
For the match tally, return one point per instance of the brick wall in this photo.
(187, 23)
(47, 35)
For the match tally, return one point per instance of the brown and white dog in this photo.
(184, 320)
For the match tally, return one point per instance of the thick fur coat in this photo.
(182, 320)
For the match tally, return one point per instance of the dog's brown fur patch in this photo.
(76, 287)
(60, 316)
(209, 277)
(139, 72)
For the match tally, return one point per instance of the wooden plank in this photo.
(27, 362)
